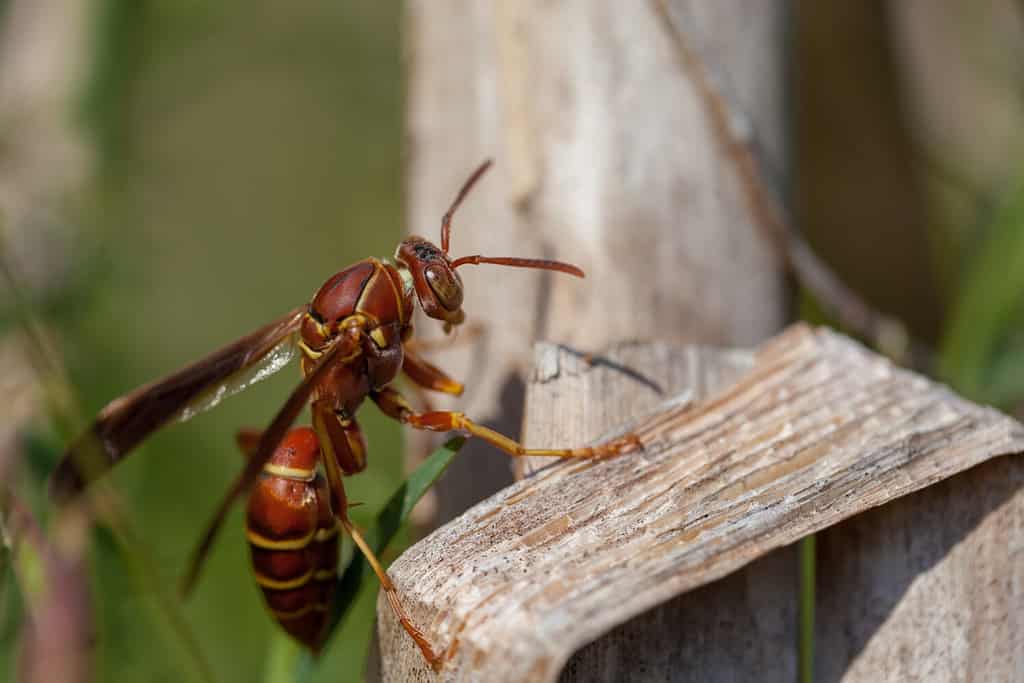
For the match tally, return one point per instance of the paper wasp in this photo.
(353, 338)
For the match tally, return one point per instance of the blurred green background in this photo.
(242, 152)
(245, 151)
(248, 151)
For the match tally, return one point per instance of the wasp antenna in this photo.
(446, 220)
(541, 264)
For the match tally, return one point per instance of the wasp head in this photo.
(438, 287)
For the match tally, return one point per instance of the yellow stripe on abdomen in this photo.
(286, 544)
(283, 584)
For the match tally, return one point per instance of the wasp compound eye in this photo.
(446, 288)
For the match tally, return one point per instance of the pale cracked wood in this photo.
(816, 431)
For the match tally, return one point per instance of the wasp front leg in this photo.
(394, 405)
(427, 375)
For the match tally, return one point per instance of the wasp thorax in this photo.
(446, 285)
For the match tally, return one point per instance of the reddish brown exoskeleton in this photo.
(353, 338)
(293, 536)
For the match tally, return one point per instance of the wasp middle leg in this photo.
(394, 405)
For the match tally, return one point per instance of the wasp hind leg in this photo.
(343, 450)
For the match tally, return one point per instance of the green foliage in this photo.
(983, 346)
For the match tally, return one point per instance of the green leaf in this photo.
(987, 308)
(389, 520)
(284, 657)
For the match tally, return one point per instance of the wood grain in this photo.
(817, 430)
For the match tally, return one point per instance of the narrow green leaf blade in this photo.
(389, 521)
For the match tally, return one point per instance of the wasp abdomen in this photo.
(293, 538)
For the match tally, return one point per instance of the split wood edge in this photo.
(816, 430)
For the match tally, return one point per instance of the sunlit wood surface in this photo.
(761, 450)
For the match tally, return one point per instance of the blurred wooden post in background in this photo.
(605, 158)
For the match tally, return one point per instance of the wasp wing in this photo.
(345, 349)
(127, 420)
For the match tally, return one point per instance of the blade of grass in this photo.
(288, 663)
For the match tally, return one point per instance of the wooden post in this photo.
(604, 157)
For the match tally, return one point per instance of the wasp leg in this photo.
(391, 593)
(423, 377)
(394, 405)
(341, 438)
(321, 420)
(427, 375)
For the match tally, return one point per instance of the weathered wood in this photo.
(818, 430)
(929, 587)
(744, 623)
(604, 157)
